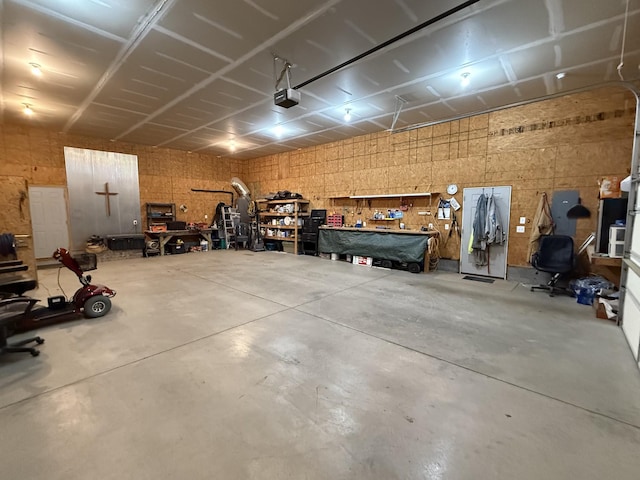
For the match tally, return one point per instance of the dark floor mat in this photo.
(478, 279)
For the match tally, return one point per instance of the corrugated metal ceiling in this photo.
(197, 75)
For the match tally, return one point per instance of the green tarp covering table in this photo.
(396, 245)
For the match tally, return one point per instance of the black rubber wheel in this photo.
(414, 267)
(35, 353)
(39, 341)
(97, 306)
(386, 264)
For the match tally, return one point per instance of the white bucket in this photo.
(335, 256)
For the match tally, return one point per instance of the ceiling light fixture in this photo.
(27, 109)
(278, 130)
(465, 79)
(36, 70)
(560, 75)
(347, 115)
(232, 145)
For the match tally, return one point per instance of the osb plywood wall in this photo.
(165, 175)
(567, 143)
(15, 218)
(560, 144)
(169, 175)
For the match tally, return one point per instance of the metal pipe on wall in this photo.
(213, 191)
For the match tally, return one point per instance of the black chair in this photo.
(243, 235)
(12, 280)
(555, 255)
(16, 284)
(11, 310)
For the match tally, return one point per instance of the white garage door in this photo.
(631, 307)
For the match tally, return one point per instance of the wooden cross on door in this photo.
(107, 194)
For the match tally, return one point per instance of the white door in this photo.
(497, 254)
(631, 307)
(49, 220)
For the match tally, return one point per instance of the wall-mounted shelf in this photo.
(279, 227)
(300, 201)
(386, 195)
(160, 213)
(282, 239)
(274, 214)
(394, 195)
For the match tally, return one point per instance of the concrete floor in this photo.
(240, 365)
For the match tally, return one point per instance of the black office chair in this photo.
(555, 255)
(12, 279)
(11, 310)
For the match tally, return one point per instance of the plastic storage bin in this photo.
(175, 248)
(125, 242)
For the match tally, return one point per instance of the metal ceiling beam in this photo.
(72, 21)
(239, 61)
(127, 49)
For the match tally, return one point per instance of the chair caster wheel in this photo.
(532, 289)
(39, 341)
(35, 353)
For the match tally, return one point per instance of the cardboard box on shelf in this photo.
(610, 187)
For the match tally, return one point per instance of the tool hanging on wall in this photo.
(444, 210)
(454, 226)
(23, 199)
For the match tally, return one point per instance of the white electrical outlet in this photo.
(520, 229)
(431, 226)
(523, 220)
(446, 226)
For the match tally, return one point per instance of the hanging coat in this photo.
(479, 244)
(494, 229)
(542, 225)
(480, 224)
